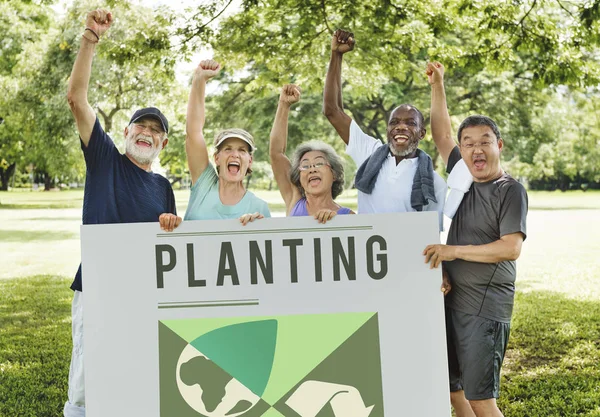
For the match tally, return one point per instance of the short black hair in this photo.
(410, 106)
(479, 120)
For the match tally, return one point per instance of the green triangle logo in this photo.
(347, 382)
(267, 355)
(244, 350)
(205, 383)
(303, 341)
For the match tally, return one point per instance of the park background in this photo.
(533, 66)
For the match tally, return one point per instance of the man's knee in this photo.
(458, 398)
(461, 405)
(485, 408)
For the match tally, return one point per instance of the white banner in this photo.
(282, 317)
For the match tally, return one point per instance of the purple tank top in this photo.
(300, 209)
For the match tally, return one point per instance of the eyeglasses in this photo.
(483, 145)
(317, 165)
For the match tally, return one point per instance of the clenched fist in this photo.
(207, 69)
(342, 41)
(290, 94)
(99, 21)
(435, 73)
(169, 222)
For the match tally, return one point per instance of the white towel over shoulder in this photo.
(459, 182)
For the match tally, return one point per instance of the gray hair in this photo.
(334, 160)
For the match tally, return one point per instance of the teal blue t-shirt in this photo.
(205, 203)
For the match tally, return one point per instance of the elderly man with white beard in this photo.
(118, 188)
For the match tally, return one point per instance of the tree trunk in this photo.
(48, 182)
(563, 184)
(108, 124)
(108, 117)
(5, 176)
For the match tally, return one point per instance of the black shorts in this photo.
(476, 348)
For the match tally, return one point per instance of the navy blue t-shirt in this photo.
(117, 190)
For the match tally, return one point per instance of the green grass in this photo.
(538, 200)
(558, 200)
(27, 236)
(41, 199)
(35, 346)
(552, 366)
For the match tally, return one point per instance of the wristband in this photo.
(94, 33)
(93, 42)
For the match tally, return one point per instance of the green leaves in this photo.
(506, 59)
(134, 67)
(503, 59)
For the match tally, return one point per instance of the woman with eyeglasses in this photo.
(314, 177)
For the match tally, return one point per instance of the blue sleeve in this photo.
(200, 191)
(172, 207)
(99, 149)
(207, 179)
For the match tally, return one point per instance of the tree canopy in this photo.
(133, 67)
(532, 65)
(510, 60)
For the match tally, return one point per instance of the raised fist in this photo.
(290, 94)
(207, 69)
(342, 41)
(435, 73)
(99, 21)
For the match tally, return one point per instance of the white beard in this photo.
(141, 155)
(411, 148)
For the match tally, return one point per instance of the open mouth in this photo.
(144, 143)
(233, 168)
(479, 163)
(314, 181)
(400, 139)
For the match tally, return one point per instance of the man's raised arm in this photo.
(333, 109)
(441, 127)
(97, 22)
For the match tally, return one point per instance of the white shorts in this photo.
(75, 406)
